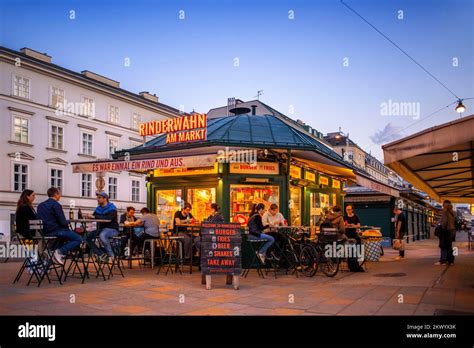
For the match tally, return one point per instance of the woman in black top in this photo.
(24, 213)
(256, 229)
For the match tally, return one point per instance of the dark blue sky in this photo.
(298, 63)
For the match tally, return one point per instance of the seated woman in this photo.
(216, 215)
(256, 230)
(24, 213)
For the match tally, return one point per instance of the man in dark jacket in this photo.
(55, 224)
(106, 230)
(447, 234)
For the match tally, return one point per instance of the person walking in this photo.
(400, 230)
(448, 229)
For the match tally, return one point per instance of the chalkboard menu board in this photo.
(221, 245)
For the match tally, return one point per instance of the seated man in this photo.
(128, 219)
(274, 218)
(184, 216)
(106, 230)
(150, 223)
(55, 224)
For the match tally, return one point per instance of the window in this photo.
(57, 136)
(20, 129)
(113, 114)
(134, 144)
(135, 190)
(86, 185)
(112, 187)
(86, 144)
(88, 107)
(20, 177)
(21, 87)
(57, 98)
(136, 119)
(113, 146)
(56, 178)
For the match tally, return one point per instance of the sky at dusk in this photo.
(315, 60)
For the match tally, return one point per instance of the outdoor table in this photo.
(84, 223)
(191, 229)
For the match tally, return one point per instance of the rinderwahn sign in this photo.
(179, 129)
(146, 164)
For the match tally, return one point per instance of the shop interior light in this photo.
(460, 107)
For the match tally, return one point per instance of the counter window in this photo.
(201, 200)
(242, 198)
(168, 202)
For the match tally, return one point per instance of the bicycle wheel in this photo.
(308, 260)
(329, 265)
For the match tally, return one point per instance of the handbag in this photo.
(438, 230)
(397, 244)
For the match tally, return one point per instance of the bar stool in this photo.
(153, 242)
(173, 254)
(255, 245)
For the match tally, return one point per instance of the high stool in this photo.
(173, 254)
(153, 242)
(255, 245)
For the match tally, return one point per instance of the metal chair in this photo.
(173, 254)
(46, 247)
(255, 245)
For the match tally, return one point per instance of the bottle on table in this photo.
(71, 214)
(188, 219)
(79, 214)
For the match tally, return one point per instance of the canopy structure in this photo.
(438, 160)
(249, 132)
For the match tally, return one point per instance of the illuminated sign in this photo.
(146, 164)
(323, 180)
(259, 168)
(295, 172)
(336, 183)
(179, 129)
(310, 176)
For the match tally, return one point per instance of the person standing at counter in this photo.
(256, 230)
(184, 216)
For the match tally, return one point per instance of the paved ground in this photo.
(423, 290)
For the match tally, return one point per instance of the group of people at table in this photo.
(261, 224)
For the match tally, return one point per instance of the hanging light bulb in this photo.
(460, 107)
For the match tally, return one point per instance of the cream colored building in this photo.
(51, 117)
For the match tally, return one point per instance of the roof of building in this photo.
(83, 77)
(248, 131)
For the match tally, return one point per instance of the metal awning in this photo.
(438, 160)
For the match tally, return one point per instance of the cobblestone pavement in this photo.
(422, 289)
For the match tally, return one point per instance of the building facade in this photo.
(51, 117)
